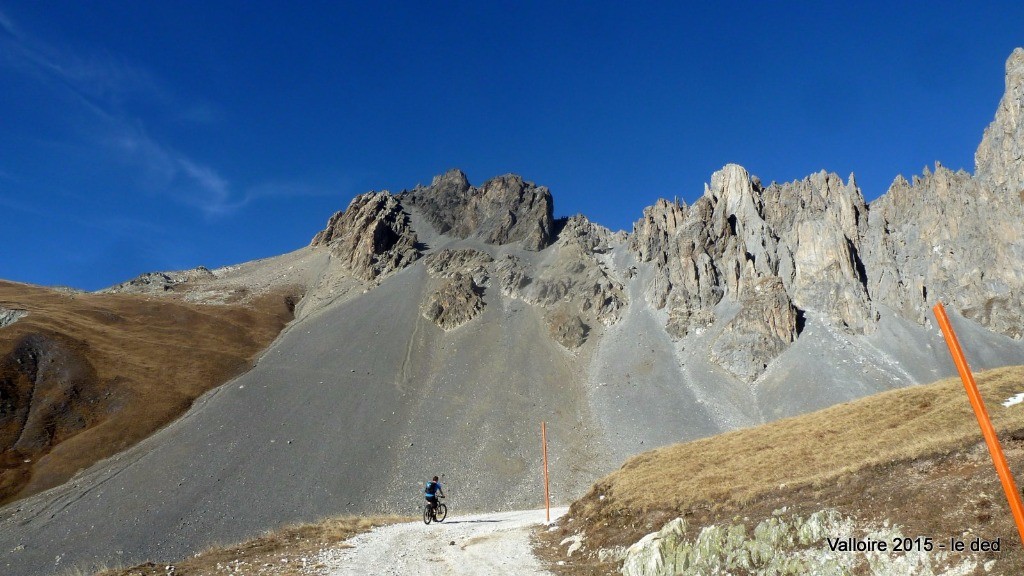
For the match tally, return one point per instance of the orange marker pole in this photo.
(547, 492)
(987, 429)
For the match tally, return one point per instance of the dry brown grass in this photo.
(815, 448)
(290, 551)
(912, 456)
(125, 366)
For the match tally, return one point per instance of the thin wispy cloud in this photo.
(103, 85)
(231, 203)
(208, 179)
(167, 170)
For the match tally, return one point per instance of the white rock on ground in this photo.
(785, 545)
(9, 316)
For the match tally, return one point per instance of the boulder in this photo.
(568, 329)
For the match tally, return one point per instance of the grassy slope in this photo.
(911, 456)
(126, 365)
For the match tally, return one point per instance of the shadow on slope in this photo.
(910, 457)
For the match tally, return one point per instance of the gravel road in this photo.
(482, 545)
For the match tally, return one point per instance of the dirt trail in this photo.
(495, 543)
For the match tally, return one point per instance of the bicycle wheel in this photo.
(441, 512)
(427, 516)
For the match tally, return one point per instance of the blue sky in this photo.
(143, 136)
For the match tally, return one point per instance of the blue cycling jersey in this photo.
(432, 488)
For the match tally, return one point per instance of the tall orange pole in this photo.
(547, 492)
(987, 429)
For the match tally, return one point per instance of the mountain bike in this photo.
(435, 514)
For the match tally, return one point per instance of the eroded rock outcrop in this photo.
(511, 277)
(950, 236)
(673, 237)
(947, 235)
(447, 263)
(567, 329)
(9, 316)
(944, 235)
(785, 544)
(459, 299)
(794, 245)
(457, 302)
(765, 325)
(372, 237)
(577, 277)
(588, 237)
(158, 282)
(805, 233)
(575, 287)
(503, 210)
(821, 222)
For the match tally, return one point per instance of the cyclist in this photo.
(432, 491)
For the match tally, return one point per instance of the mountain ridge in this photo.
(440, 325)
(807, 246)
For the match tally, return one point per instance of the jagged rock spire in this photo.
(999, 160)
(776, 251)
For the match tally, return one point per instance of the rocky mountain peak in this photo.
(751, 263)
(504, 210)
(453, 181)
(739, 235)
(590, 237)
(733, 188)
(999, 160)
